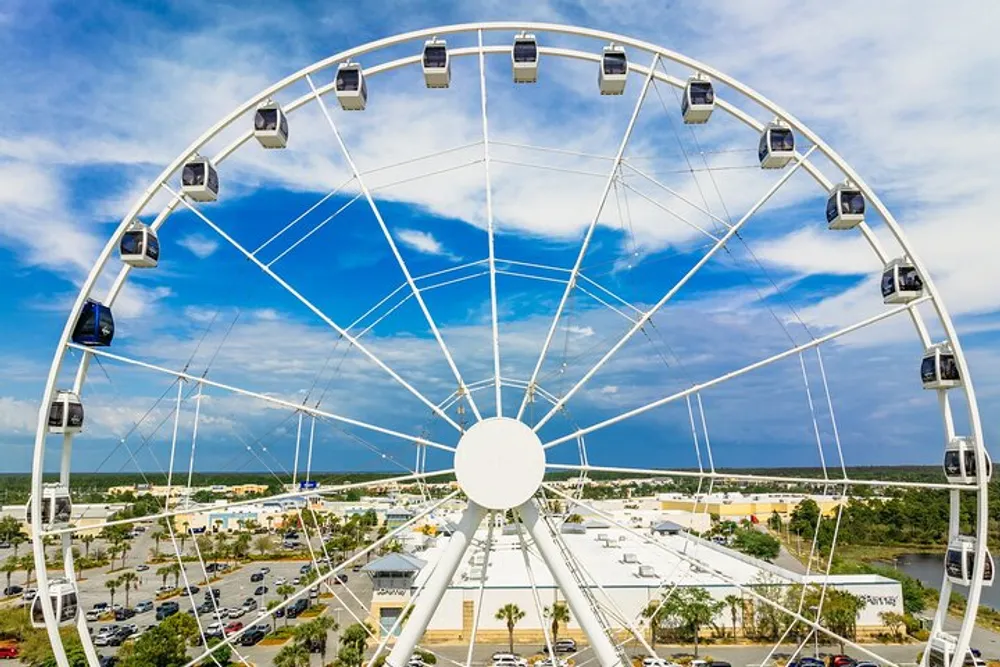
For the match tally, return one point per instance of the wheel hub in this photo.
(499, 463)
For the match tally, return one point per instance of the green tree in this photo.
(87, 540)
(574, 518)
(17, 540)
(284, 590)
(163, 573)
(271, 604)
(127, 580)
(757, 544)
(840, 613)
(558, 615)
(735, 604)
(353, 642)
(804, 517)
(220, 656)
(113, 584)
(163, 645)
(264, 544)
(315, 632)
(510, 614)
(157, 535)
(698, 609)
(28, 565)
(774, 522)
(241, 546)
(895, 622)
(9, 567)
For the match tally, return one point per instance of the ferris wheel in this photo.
(499, 434)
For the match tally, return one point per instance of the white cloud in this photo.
(422, 242)
(199, 246)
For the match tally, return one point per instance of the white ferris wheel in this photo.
(490, 431)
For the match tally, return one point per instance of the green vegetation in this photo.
(558, 614)
(510, 614)
(681, 614)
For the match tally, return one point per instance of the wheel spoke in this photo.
(271, 399)
(489, 233)
(722, 576)
(571, 283)
(720, 243)
(319, 313)
(733, 374)
(392, 246)
(391, 535)
(482, 586)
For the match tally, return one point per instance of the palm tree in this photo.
(9, 567)
(87, 540)
(510, 613)
(735, 603)
(17, 540)
(271, 604)
(126, 580)
(164, 572)
(112, 586)
(157, 535)
(314, 632)
(558, 614)
(241, 547)
(292, 655)
(284, 590)
(175, 569)
(28, 565)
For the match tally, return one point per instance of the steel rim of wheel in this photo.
(472, 472)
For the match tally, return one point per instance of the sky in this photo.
(101, 97)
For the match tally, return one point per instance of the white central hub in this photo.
(499, 463)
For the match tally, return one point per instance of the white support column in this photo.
(601, 644)
(435, 587)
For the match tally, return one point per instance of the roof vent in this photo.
(630, 558)
(647, 571)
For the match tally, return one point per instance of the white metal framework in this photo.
(341, 76)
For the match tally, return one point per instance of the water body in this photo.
(929, 570)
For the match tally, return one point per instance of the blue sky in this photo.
(102, 96)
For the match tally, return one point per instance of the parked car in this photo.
(279, 612)
(356, 567)
(260, 590)
(93, 614)
(565, 646)
(504, 659)
(108, 629)
(297, 608)
(551, 662)
(235, 626)
(191, 590)
(123, 614)
(807, 662)
(252, 636)
(314, 592)
(237, 612)
(164, 589)
(142, 567)
(265, 570)
(143, 607)
(280, 581)
(841, 661)
(305, 569)
(256, 577)
(340, 579)
(9, 652)
(214, 630)
(107, 660)
(13, 590)
(249, 604)
(650, 661)
(166, 610)
(291, 535)
(29, 594)
(296, 581)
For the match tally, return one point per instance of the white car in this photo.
(93, 615)
(280, 581)
(214, 630)
(29, 594)
(237, 612)
(654, 662)
(509, 660)
(296, 581)
(549, 662)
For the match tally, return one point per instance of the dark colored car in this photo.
(13, 590)
(291, 535)
(841, 661)
(256, 577)
(206, 607)
(279, 612)
(340, 579)
(260, 590)
(124, 614)
(297, 608)
(807, 662)
(107, 661)
(166, 610)
(305, 569)
(251, 637)
(191, 590)
(212, 592)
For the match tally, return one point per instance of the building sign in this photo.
(879, 600)
(392, 592)
(308, 485)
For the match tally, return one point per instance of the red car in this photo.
(9, 651)
(235, 626)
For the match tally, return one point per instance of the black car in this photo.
(212, 592)
(124, 614)
(291, 535)
(256, 577)
(12, 590)
(119, 637)
(252, 637)
(340, 579)
(297, 608)
(166, 610)
(305, 568)
(206, 607)
(107, 661)
(260, 590)
(191, 590)
(279, 612)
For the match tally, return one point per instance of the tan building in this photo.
(247, 489)
(737, 506)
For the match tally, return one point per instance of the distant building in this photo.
(392, 580)
(736, 506)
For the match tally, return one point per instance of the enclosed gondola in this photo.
(960, 562)
(56, 506)
(901, 283)
(436, 63)
(941, 649)
(845, 208)
(939, 368)
(613, 70)
(524, 58)
(698, 101)
(960, 464)
(270, 125)
(65, 604)
(200, 180)
(777, 145)
(65, 413)
(351, 88)
(139, 246)
(95, 327)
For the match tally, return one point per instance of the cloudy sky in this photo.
(101, 96)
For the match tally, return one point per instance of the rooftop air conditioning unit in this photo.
(478, 558)
(647, 571)
(630, 558)
(601, 537)
(476, 574)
